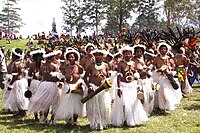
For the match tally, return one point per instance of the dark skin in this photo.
(17, 67)
(140, 66)
(93, 73)
(31, 73)
(115, 62)
(88, 59)
(72, 73)
(148, 59)
(58, 56)
(181, 59)
(122, 68)
(47, 68)
(159, 62)
(72, 70)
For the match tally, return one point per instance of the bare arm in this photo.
(87, 73)
(30, 74)
(80, 68)
(119, 75)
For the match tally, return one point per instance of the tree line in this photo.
(80, 15)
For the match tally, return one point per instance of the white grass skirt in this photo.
(16, 99)
(146, 85)
(6, 92)
(98, 109)
(167, 97)
(34, 86)
(128, 108)
(70, 103)
(46, 96)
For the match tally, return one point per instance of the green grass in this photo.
(185, 119)
(17, 44)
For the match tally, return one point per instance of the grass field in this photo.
(17, 44)
(185, 119)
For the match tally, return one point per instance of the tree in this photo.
(74, 16)
(95, 12)
(118, 11)
(54, 26)
(9, 17)
(148, 16)
(69, 11)
(180, 12)
(196, 19)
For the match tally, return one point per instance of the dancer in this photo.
(98, 107)
(168, 97)
(47, 95)
(145, 82)
(181, 66)
(127, 108)
(70, 107)
(18, 85)
(34, 79)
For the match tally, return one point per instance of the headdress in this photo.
(126, 48)
(163, 43)
(109, 54)
(103, 52)
(75, 52)
(57, 52)
(18, 52)
(49, 54)
(177, 41)
(150, 52)
(89, 45)
(138, 46)
(37, 51)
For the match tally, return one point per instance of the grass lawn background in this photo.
(185, 119)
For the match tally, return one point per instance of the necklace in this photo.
(71, 71)
(165, 60)
(99, 66)
(164, 57)
(130, 62)
(72, 66)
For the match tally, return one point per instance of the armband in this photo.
(10, 86)
(29, 77)
(68, 90)
(14, 74)
(149, 73)
(136, 75)
(57, 74)
(120, 74)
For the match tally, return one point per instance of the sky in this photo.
(38, 15)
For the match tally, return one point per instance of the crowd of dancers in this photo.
(54, 82)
